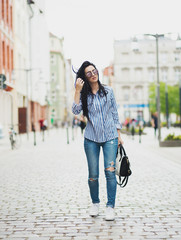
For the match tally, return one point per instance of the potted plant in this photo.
(171, 141)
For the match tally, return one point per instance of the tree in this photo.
(173, 98)
(152, 98)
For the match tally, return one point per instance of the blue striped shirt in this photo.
(103, 116)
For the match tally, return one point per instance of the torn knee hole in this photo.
(92, 179)
(111, 169)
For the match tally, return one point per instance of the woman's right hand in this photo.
(79, 84)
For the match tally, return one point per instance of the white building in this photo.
(58, 80)
(40, 58)
(135, 69)
(31, 63)
(20, 76)
(39, 61)
(70, 89)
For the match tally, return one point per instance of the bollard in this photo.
(43, 135)
(67, 135)
(72, 133)
(34, 133)
(140, 131)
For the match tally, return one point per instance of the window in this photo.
(135, 45)
(138, 74)
(164, 74)
(151, 75)
(137, 57)
(11, 17)
(177, 56)
(2, 8)
(126, 93)
(138, 93)
(18, 24)
(19, 60)
(4, 55)
(163, 57)
(53, 95)
(12, 55)
(125, 75)
(53, 77)
(8, 58)
(7, 11)
(52, 59)
(151, 57)
(177, 74)
(124, 56)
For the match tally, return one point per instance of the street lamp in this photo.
(30, 2)
(166, 102)
(178, 47)
(157, 36)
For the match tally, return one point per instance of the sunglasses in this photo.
(90, 73)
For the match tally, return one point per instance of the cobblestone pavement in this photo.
(44, 193)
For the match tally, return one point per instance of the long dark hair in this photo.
(86, 90)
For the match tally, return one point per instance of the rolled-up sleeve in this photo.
(115, 111)
(76, 108)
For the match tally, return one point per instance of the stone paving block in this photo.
(110, 238)
(38, 238)
(3, 236)
(15, 238)
(41, 201)
(83, 238)
(64, 238)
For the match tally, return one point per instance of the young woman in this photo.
(102, 130)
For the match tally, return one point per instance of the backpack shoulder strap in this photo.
(124, 182)
(122, 149)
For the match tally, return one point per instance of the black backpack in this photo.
(123, 170)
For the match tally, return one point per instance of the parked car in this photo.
(1, 131)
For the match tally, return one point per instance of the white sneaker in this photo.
(110, 216)
(94, 210)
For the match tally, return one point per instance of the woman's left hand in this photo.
(120, 141)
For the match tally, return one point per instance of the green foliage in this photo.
(152, 97)
(173, 98)
(172, 137)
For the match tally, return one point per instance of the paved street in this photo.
(44, 193)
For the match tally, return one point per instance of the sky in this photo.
(89, 27)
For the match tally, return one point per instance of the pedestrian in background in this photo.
(133, 127)
(102, 130)
(154, 122)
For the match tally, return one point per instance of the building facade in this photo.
(20, 73)
(70, 90)
(57, 81)
(39, 64)
(24, 61)
(6, 62)
(108, 76)
(31, 64)
(134, 70)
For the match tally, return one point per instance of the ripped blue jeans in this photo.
(92, 150)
